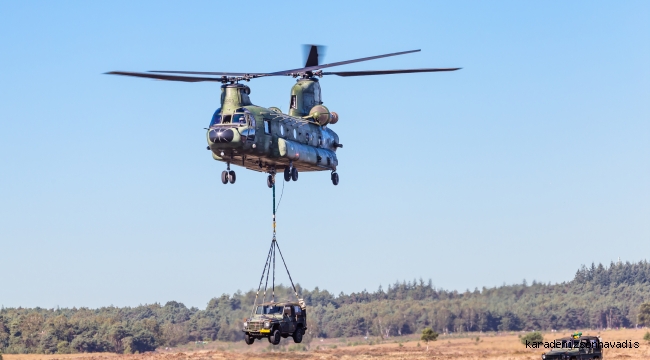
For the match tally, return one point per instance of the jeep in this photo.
(575, 348)
(276, 320)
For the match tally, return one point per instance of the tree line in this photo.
(597, 297)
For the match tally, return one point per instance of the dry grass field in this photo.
(465, 346)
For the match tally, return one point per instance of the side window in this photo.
(251, 120)
(298, 310)
(216, 118)
(267, 126)
(294, 102)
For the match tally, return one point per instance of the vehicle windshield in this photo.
(268, 310)
(569, 344)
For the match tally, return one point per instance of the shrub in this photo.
(532, 337)
(646, 337)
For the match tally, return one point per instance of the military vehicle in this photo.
(265, 139)
(276, 320)
(575, 348)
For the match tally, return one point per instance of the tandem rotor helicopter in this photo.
(265, 139)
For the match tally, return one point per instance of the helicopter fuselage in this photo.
(265, 139)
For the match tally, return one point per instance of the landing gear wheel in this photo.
(224, 177)
(232, 177)
(287, 173)
(335, 178)
(270, 181)
(297, 336)
(248, 339)
(275, 337)
(294, 173)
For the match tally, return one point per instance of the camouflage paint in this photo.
(269, 140)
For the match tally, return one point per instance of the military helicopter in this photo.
(265, 139)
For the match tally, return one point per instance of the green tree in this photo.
(646, 337)
(428, 335)
(532, 337)
(644, 314)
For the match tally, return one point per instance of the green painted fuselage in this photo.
(265, 139)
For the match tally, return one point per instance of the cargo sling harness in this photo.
(270, 261)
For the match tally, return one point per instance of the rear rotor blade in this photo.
(165, 77)
(313, 54)
(312, 68)
(310, 60)
(386, 72)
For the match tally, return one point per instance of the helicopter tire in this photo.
(294, 173)
(269, 181)
(287, 174)
(232, 177)
(335, 178)
(224, 177)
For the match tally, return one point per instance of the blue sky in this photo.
(530, 161)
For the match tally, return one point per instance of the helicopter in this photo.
(265, 139)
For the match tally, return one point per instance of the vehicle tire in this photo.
(335, 179)
(248, 339)
(297, 336)
(275, 337)
(294, 173)
(224, 177)
(287, 174)
(269, 181)
(232, 177)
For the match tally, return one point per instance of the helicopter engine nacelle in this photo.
(335, 118)
(321, 115)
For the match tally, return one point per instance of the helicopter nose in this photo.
(221, 135)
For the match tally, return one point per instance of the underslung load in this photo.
(275, 319)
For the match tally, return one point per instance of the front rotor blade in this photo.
(208, 73)
(312, 68)
(165, 77)
(386, 72)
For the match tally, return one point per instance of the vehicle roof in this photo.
(279, 303)
(586, 337)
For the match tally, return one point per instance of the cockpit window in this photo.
(239, 119)
(216, 118)
(269, 310)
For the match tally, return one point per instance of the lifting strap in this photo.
(270, 262)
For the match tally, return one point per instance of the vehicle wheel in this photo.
(248, 339)
(294, 173)
(335, 178)
(224, 177)
(232, 177)
(275, 337)
(269, 181)
(297, 336)
(287, 174)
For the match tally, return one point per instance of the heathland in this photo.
(598, 297)
(470, 346)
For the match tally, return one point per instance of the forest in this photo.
(597, 297)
